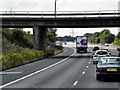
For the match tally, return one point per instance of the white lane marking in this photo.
(89, 62)
(10, 72)
(36, 72)
(83, 72)
(87, 66)
(75, 83)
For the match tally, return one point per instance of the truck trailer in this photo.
(81, 44)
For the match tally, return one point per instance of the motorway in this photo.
(68, 70)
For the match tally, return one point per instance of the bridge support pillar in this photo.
(39, 38)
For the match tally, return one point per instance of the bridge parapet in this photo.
(60, 14)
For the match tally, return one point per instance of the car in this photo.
(98, 54)
(108, 67)
(106, 50)
(95, 48)
(107, 45)
(59, 43)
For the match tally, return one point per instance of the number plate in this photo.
(112, 69)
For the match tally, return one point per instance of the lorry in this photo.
(81, 43)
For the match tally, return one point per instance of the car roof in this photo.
(101, 50)
(110, 57)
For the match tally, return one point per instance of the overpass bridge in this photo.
(41, 20)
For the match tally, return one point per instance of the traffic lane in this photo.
(114, 52)
(62, 75)
(88, 80)
(18, 72)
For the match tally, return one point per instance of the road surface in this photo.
(68, 70)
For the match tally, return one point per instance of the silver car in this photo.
(108, 67)
(98, 54)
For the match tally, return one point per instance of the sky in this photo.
(63, 5)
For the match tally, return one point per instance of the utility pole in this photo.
(73, 32)
(119, 15)
(55, 8)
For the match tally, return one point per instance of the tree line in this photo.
(103, 36)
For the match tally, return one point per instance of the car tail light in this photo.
(95, 55)
(108, 51)
(107, 55)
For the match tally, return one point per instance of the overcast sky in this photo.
(63, 5)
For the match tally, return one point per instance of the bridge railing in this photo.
(60, 14)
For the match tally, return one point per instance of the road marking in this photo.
(83, 72)
(1, 73)
(87, 66)
(75, 83)
(36, 72)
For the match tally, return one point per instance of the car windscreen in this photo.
(104, 61)
(101, 53)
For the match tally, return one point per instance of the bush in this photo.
(50, 51)
(16, 59)
(58, 47)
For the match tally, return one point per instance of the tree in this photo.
(118, 35)
(105, 31)
(94, 36)
(109, 38)
(104, 34)
(51, 36)
(97, 40)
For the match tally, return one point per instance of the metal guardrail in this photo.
(101, 13)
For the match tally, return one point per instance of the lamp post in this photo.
(55, 8)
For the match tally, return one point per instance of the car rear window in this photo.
(101, 53)
(110, 61)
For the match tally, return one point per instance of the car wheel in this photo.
(78, 52)
(98, 77)
(85, 51)
(94, 62)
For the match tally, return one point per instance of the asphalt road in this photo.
(66, 70)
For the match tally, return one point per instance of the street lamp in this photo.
(55, 8)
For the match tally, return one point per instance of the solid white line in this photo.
(75, 83)
(10, 73)
(83, 72)
(36, 72)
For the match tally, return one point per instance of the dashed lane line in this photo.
(75, 83)
(83, 72)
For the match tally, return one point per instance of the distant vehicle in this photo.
(98, 54)
(60, 43)
(95, 48)
(65, 43)
(108, 67)
(106, 50)
(107, 45)
(81, 43)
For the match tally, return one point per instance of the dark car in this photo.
(108, 67)
(95, 48)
